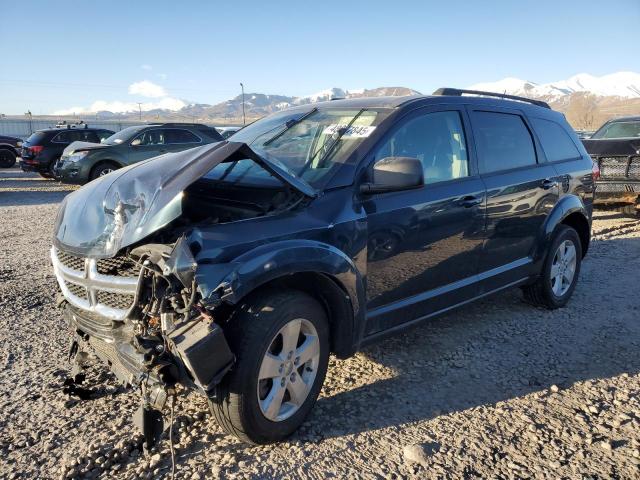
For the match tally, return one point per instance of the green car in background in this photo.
(82, 162)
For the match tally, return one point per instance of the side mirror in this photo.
(393, 174)
(136, 142)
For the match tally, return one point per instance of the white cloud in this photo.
(143, 88)
(166, 103)
(146, 67)
(148, 89)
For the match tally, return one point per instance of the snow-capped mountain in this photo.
(621, 84)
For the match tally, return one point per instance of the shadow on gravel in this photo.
(492, 351)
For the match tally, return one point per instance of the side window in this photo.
(63, 137)
(503, 141)
(84, 136)
(176, 135)
(556, 142)
(437, 140)
(150, 137)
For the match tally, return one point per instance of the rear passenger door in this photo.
(521, 191)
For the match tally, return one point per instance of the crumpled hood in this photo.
(122, 208)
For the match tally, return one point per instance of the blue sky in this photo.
(70, 54)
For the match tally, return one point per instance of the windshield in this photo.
(122, 136)
(619, 130)
(313, 148)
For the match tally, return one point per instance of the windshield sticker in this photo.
(355, 131)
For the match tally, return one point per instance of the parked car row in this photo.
(77, 153)
(43, 148)
(83, 161)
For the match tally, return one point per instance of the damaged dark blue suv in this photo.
(236, 268)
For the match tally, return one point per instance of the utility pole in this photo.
(140, 110)
(244, 122)
(28, 114)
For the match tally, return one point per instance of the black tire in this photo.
(48, 173)
(102, 168)
(7, 158)
(250, 332)
(541, 293)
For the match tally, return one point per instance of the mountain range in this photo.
(586, 100)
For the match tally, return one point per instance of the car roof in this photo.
(423, 100)
(630, 118)
(73, 129)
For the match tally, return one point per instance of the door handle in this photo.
(548, 183)
(470, 201)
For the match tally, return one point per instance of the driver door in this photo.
(424, 244)
(149, 143)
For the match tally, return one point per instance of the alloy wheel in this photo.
(288, 370)
(563, 268)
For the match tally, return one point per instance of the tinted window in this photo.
(556, 142)
(619, 130)
(180, 136)
(63, 137)
(437, 140)
(151, 137)
(36, 138)
(104, 134)
(503, 141)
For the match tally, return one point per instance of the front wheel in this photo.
(102, 169)
(281, 343)
(560, 271)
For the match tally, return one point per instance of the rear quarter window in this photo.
(503, 141)
(556, 142)
(36, 138)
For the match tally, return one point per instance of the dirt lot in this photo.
(497, 389)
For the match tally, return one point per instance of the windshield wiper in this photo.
(288, 125)
(326, 150)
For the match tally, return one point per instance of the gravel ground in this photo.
(496, 389)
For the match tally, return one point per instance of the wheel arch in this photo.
(570, 211)
(319, 270)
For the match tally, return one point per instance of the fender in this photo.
(567, 205)
(230, 282)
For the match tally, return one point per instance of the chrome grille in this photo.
(115, 300)
(71, 261)
(85, 287)
(120, 266)
(77, 290)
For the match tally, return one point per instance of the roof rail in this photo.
(182, 124)
(459, 92)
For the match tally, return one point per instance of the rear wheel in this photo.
(7, 158)
(560, 271)
(281, 343)
(102, 169)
